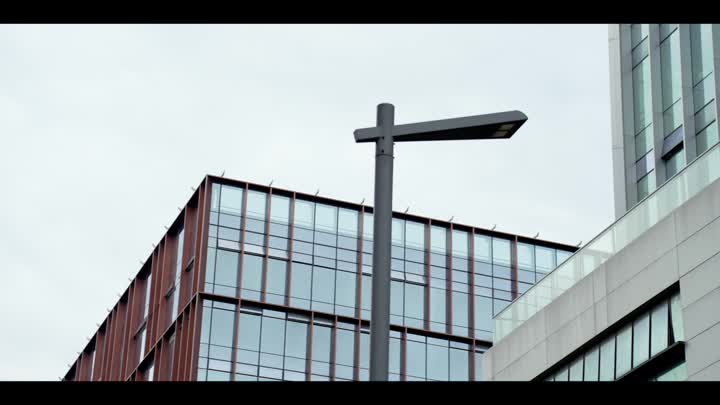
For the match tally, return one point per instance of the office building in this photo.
(640, 301)
(257, 283)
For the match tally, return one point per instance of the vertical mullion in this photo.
(236, 332)
(356, 351)
(241, 259)
(448, 280)
(427, 227)
(403, 354)
(359, 256)
(471, 283)
(308, 348)
(513, 269)
(266, 248)
(291, 234)
(333, 347)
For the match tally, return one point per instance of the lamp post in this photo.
(487, 126)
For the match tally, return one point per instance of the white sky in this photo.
(104, 129)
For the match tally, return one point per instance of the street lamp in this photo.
(487, 126)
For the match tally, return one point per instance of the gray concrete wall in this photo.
(684, 246)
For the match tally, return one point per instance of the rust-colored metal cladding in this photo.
(135, 343)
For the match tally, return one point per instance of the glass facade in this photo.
(317, 257)
(632, 345)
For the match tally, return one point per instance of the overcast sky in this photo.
(104, 129)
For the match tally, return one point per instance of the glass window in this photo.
(670, 71)
(562, 374)
(591, 364)
(659, 328)
(301, 284)
(323, 285)
(251, 277)
(415, 235)
(478, 359)
(394, 366)
(483, 313)
(460, 243)
(460, 312)
(398, 231)
(295, 346)
(641, 95)
(222, 327)
(321, 350)
(482, 250)
(414, 304)
(273, 335)
(676, 319)
(675, 163)
(396, 301)
(638, 32)
(459, 365)
(607, 360)
(706, 138)
(367, 295)
(646, 185)
(248, 338)
(226, 269)
(345, 293)
(348, 222)
(562, 256)
(215, 197)
(415, 357)
(437, 362)
(276, 281)
(576, 369)
(231, 199)
(641, 339)
(256, 202)
(526, 259)
(326, 218)
(344, 352)
(623, 353)
(280, 209)
(501, 251)
(368, 226)
(701, 47)
(304, 214)
(438, 239)
(437, 309)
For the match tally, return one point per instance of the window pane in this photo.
(304, 214)
(301, 281)
(459, 365)
(641, 339)
(438, 239)
(215, 197)
(641, 95)
(675, 163)
(437, 363)
(345, 350)
(323, 285)
(701, 46)
(273, 335)
(348, 222)
(707, 138)
(256, 202)
(345, 289)
(623, 351)
(482, 248)
(222, 327)
(501, 251)
(296, 340)
(249, 332)
(576, 369)
(591, 365)
(280, 209)
(607, 360)
(483, 313)
(416, 358)
(251, 277)
(226, 268)
(415, 235)
(231, 200)
(414, 303)
(459, 310)
(659, 324)
(670, 70)
(676, 318)
(478, 359)
(276, 281)
(368, 226)
(562, 374)
(326, 218)
(526, 259)
(460, 243)
(437, 309)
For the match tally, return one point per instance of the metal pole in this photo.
(382, 228)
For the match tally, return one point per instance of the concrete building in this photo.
(640, 301)
(255, 283)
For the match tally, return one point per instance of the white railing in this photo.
(648, 212)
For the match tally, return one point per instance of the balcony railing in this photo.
(652, 209)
